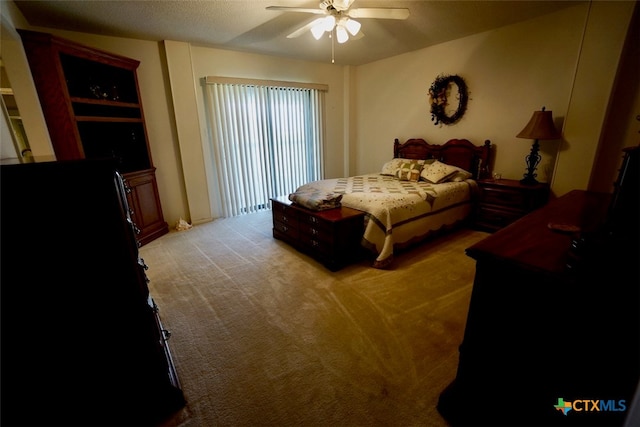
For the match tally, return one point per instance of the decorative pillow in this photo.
(410, 171)
(391, 167)
(438, 172)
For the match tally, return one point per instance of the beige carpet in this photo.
(264, 335)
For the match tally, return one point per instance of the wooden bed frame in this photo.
(456, 152)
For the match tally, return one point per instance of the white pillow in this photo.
(438, 172)
(461, 175)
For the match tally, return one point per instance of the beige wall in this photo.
(511, 72)
(593, 87)
(622, 126)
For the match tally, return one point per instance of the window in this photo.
(264, 141)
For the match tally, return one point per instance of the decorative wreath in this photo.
(438, 99)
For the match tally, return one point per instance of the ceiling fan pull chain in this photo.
(333, 60)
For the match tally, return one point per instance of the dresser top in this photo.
(530, 244)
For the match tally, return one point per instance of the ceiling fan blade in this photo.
(300, 31)
(297, 9)
(379, 13)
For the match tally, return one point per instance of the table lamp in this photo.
(540, 126)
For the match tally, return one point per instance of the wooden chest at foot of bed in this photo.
(330, 236)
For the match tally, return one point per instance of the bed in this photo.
(423, 190)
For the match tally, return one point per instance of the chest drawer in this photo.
(317, 244)
(286, 215)
(287, 229)
(315, 227)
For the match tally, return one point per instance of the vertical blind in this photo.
(264, 141)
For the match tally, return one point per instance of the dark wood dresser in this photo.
(331, 236)
(82, 340)
(502, 201)
(553, 315)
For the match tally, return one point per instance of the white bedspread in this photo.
(399, 212)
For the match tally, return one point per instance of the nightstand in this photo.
(502, 201)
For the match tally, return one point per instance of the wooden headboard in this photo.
(456, 152)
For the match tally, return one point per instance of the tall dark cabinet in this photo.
(82, 339)
(92, 106)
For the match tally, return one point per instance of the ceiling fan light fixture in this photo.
(317, 30)
(328, 23)
(338, 13)
(341, 34)
(352, 26)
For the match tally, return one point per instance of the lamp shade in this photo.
(540, 126)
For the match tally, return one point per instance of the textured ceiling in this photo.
(246, 25)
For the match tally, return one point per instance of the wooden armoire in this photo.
(93, 109)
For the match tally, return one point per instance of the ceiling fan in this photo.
(338, 16)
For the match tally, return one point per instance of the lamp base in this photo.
(529, 180)
(532, 162)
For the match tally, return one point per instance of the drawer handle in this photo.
(285, 219)
(313, 219)
(315, 243)
(285, 228)
(314, 231)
